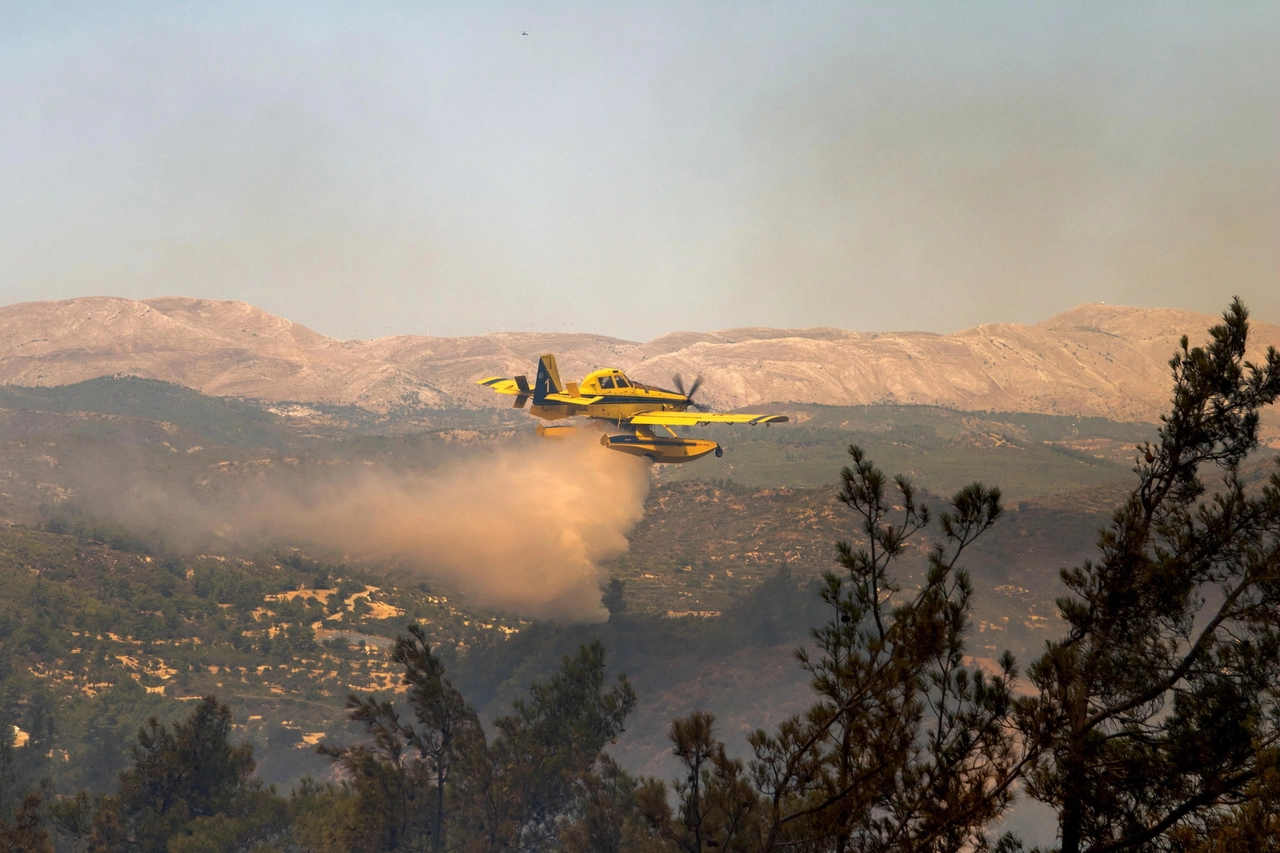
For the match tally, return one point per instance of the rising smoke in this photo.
(522, 527)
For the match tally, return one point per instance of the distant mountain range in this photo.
(1101, 360)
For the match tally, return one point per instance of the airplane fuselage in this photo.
(622, 399)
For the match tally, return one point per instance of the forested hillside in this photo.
(320, 662)
(110, 623)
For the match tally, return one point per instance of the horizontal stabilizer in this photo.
(519, 387)
(555, 430)
(503, 385)
(570, 400)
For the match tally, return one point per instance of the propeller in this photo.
(678, 380)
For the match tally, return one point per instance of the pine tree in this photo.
(907, 748)
(24, 834)
(439, 781)
(189, 790)
(400, 781)
(1159, 707)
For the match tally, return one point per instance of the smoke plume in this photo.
(522, 527)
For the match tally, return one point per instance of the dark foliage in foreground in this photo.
(1154, 724)
(1161, 707)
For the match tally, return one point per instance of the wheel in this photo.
(719, 452)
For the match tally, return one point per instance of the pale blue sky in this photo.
(637, 168)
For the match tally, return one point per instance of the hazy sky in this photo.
(636, 168)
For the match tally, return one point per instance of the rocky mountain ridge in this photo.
(1100, 360)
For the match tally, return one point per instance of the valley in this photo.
(109, 620)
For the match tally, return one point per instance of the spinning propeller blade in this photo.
(693, 389)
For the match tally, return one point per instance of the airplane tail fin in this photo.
(548, 381)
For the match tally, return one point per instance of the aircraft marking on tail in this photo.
(548, 381)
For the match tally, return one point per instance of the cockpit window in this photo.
(606, 382)
(622, 382)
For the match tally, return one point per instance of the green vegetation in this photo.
(1154, 726)
(98, 632)
(95, 638)
(189, 789)
(241, 423)
(1153, 723)
(1034, 455)
(904, 745)
(941, 449)
(217, 419)
(702, 548)
(1160, 708)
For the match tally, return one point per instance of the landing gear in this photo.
(719, 452)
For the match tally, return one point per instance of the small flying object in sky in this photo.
(610, 398)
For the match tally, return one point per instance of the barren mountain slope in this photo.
(1093, 360)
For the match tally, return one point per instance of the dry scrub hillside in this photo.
(1102, 360)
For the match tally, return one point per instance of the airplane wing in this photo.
(695, 418)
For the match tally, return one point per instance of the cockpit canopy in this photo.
(611, 379)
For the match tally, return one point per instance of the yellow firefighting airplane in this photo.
(608, 395)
